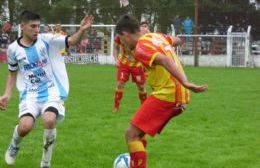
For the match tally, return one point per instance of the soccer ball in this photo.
(122, 161)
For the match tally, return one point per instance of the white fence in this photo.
(231, 50)
(89, 58)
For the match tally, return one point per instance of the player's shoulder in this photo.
(147, 35)
(45, 36)
(13, 49)
(151, 37)
(13, 46)
(146, 38)
(48, 36)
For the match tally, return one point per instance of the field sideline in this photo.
(220, 129)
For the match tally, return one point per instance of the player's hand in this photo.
(86, 22)
(196, 88)
(3, 102)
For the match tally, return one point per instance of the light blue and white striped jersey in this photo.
(42, 74)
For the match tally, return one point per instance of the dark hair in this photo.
(27, 16)
(144, 22)
(128, 24)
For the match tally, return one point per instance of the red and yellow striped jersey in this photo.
(164, 85)
(125, 55)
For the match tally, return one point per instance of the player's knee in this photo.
(49, 120)
(24, 128)
(141, 88)
(130, 135)
(120, 85)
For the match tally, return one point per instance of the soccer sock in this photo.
(16, 139)
(118, 97)
(49, 137)
(142, 96)
(144, 140)
(137, 154)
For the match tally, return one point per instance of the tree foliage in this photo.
(107, 12)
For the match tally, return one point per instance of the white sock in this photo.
(49, 137)
(16, 139)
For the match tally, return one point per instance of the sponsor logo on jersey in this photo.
(39, 64)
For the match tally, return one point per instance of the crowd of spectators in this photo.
(4, 41)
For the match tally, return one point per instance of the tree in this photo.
(157, 11)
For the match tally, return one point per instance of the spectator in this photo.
(1, 39)
(188, 26)
(176, 23)
(216, 31)
(2, 49)
(83, 45)
(4, 40)
(58, 30)
(47, 29)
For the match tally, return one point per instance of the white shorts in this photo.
(37, 109)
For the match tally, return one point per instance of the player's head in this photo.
(128, 30)
(144, 27)
(30, 24)
(47, 28)
(58, 28)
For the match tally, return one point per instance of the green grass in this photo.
(220, 129)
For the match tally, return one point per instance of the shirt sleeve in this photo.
(57, 40)
(11, 60)
(146, 53)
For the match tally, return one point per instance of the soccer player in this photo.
(35, 65)
(127, 65)
(144, 27)
(170, 87)
(58, 30)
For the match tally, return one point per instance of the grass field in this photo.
(220, 129)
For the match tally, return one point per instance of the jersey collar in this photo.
(20, 44)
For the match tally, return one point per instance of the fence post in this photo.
(229, 47)
(248, 57)
(112, 43)
(196, 56)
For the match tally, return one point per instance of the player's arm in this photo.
(172, 68)
(84, 25)
(177, 41)
(174, 41)
(10, 84)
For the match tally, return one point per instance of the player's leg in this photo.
(142, 94)
(51, 113)
(49, 136)
(118, 95)
(27, 115)
(122, 77)
(139, 78)
(136, 147)
(144, 140)
(150, 119)
(136, 136)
